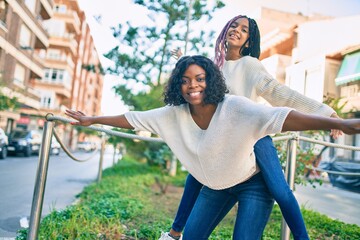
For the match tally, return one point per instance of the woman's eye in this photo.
(201, 79)
(184, 81)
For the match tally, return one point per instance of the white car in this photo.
(3, 144)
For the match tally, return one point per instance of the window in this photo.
(19, 74)
(57, 76)
(54, 75)
(25, 37)
(3, 12)
(60, 8)
(47, 74)
(47, 99)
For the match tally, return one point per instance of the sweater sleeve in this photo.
(150, 120)
(278, 94)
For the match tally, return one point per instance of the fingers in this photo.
(81, 113)
(335, 133)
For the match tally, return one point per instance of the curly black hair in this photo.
(215, 82)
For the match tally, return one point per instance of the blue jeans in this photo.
(267, 160)
(254, 208)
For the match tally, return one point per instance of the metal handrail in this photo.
(39, 189)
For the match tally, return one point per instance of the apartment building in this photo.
(73, 74)
(48, 61)
(72, 77)
(21, 35)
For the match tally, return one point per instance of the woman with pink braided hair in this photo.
(237, 51)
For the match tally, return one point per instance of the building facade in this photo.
(21, 35)
(317, 56)
(48, 61)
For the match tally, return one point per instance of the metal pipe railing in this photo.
(39, 188)
(40, 182)
(290, 178)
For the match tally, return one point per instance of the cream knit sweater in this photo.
(222, 155)
(247, 77)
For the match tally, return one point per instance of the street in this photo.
(66, 178)
(334, 202)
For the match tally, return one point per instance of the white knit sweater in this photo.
(220, 156)
(247, 77)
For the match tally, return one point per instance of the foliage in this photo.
(304, 158)
(126, 204)
(86, 131)
(158, 155)
(143, 54)
(8, 103)
(94, 68)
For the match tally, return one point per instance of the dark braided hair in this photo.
(253, 41)
(215, 82)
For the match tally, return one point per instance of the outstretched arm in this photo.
(297, 121)
(119, 121)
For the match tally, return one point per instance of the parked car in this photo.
(55, 147)
(3, 144)
(347, 166)
(86, 146)
(26, 142)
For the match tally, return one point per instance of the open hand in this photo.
(176, 53)
(82, 119)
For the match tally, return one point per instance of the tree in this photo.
(143, 57)
(7, 103)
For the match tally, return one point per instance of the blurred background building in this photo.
(48, 61)
(318, 56)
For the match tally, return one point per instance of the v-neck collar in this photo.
(195, 124)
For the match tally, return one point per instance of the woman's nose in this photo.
(193, 83)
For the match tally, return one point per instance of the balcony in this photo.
(61, 89)
(71, 19)
(66, 43)
(42, 39)
(23, 57)
(29, 98)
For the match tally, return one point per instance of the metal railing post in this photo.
(102, 150)
(290, 178)
(40, 181)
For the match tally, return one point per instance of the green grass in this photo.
(129, 204)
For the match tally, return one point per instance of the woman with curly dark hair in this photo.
(215, 82)
(213, 135)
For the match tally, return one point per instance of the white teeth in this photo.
(193, 94)
(233, 35)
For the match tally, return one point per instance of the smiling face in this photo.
(193, 85)
(238, 34)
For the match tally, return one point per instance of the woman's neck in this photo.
(232, 54)
(202, 114)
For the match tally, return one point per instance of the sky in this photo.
(113, 12)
